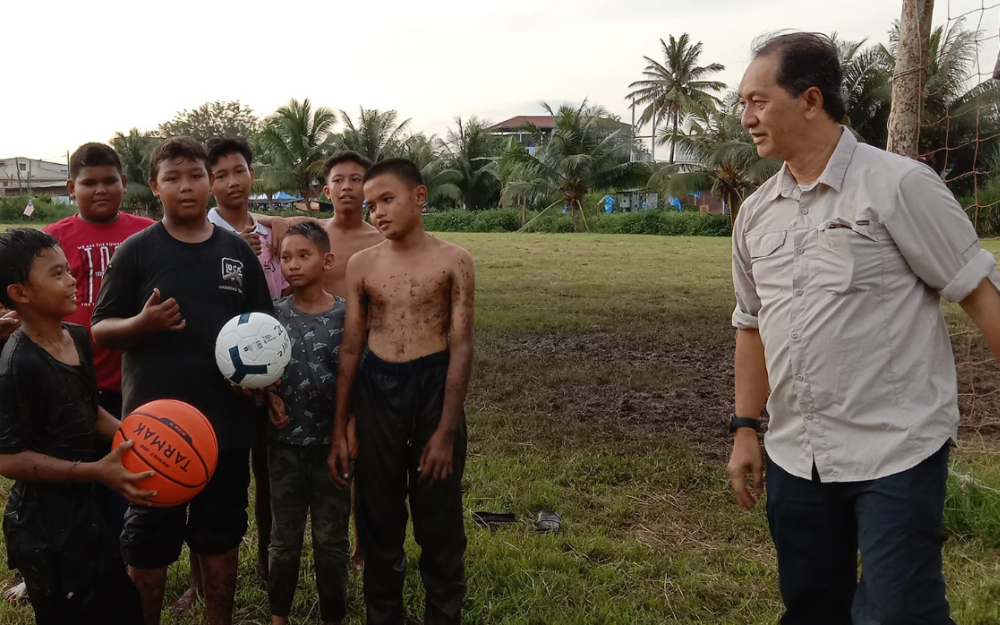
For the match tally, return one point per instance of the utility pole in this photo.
(17, 168)
(908, 79)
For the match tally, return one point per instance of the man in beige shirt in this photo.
(839, 265)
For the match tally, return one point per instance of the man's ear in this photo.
(154, 187)
(812, 98)
(420, 194)
(71, 187)
(328, 261)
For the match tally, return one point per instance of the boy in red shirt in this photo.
(89, 239)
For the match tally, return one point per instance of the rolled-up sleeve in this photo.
(937, 239)
(747, 300)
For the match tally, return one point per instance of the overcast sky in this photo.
(77, 71)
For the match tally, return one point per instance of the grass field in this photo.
(603, 379)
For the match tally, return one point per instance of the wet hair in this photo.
(93, 155)
(807, 60)
(402, 168)
(224, 146)
(174, 148)
(18, 249)
(312, 231)
(344, 157)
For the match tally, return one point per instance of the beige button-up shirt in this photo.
(844, 282)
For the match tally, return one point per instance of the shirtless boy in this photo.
(344, 174)
(407, 354)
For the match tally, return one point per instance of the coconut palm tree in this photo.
(135, 149)
(377, 135)
(867, 88)
(471, 149)
(295, 141)
(726, 162)
(584, 153)
(439, 178)
(677, 87)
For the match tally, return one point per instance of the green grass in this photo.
(602, 381)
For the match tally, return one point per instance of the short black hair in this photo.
(93, 155)
(176, 147)
(346, 156)
(807, 60)
(18, 249)
(403, 168)
(312, 231)
(224, 146)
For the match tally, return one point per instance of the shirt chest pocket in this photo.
(765, 251)
(847, 257)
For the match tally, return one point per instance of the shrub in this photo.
(12, 210)
(649, 222)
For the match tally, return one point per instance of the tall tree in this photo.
(135, 149)
(296, 140)
(213, 119)
(471, 149)
(439, 178)
(584, 153)
(376, 134)
(867, 88)
(725, 160)
(676, 87)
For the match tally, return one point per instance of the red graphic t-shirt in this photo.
(89, 248)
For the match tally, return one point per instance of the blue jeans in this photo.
(895, 521)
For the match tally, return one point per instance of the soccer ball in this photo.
(252, 350)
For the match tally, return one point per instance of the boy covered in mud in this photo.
(406, 357)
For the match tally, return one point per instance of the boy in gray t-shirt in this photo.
(302, 431)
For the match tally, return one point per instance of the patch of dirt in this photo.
(693, 404)
(696, 396)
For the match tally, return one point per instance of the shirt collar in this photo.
(215, 218)
(833, 174)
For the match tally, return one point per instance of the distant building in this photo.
(30, 176)
(520, 128)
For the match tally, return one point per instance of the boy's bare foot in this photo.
(182, 606)
(278, 620)
(16, 594)
(358, 560)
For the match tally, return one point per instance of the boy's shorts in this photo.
(212, 523)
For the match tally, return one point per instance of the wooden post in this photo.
(908, 80)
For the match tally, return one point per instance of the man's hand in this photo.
(276, 411)
(8, 323)
(352, 438)
(158, 317)
(250, 236)
(436, 461)
(109, 472)
(339, 461)
(747, 458)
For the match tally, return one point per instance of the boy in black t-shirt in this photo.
(166, 294)
(49, 423)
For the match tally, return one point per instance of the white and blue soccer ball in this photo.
(252, 350)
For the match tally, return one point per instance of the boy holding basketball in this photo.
(302, 433)
(50, 421)
(410, 299)
(166, 294)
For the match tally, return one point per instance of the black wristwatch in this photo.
(742, 422)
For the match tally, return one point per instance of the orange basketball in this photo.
(175, 440)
